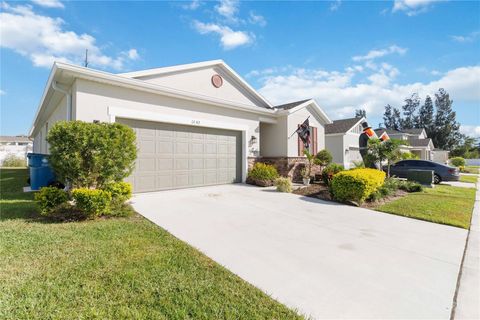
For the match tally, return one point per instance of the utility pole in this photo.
(86, 58)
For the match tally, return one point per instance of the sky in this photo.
(344, 54)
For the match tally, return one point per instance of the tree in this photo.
(467, 149)
(360, 113)
(425, 117)
(323, 158)
(446, 134)
(379, 152)
(391, 118)
(91, 155)
(409, 112)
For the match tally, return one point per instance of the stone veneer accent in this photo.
(286, 166)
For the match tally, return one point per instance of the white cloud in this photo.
(374, 54)
(335, 5)
(340, 95)
(229, 38)
(471, 37)
(193, 5)
(228, 9)
(43, 40)
(2, 92)
(471, 131)
(133, 54)
(49, 3)
(257, 19)
(413, 7)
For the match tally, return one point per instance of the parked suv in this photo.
(441, 172)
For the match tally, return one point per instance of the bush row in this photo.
(84, 202)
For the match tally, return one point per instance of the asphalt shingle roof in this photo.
(420, 142)
(413, 131)
(340, 126)
(290, 105)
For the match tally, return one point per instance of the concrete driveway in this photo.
(324, 259)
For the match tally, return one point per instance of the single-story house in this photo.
(341, 139)
(196, 124)
(18, 146)
(418, 142)
(440, 156)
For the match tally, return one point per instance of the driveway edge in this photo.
(467, 296)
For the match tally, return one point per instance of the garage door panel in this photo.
(176, 156)
(181, 148)
(165, 148)
(196, 164)
(165, 181)
(147, 146)
(165, 164)
(197, 148)
(146, 164)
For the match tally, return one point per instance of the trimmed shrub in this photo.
(408, 155)
(410, 186)
(356, 185)
(263, 174)
(330, 171)
(120, 191)
(92, 202)
(323, 158)
(389, 187)
(91, 155)
(13, 161)
(457, 162)
(48, 199)
(283, 184)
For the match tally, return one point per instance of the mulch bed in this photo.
(320, 191)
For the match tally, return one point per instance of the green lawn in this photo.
(471, 179)
(111, 269)
(472, 169)
(443, 204)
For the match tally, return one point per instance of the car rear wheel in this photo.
(436, 179)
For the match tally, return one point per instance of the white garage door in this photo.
(174, 156)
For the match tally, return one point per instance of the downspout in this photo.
(69, 98)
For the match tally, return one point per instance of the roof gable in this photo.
(341, 125)
(197, 78)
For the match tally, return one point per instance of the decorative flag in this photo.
(384, 137)
(304, 133)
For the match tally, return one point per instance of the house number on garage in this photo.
(195, 121)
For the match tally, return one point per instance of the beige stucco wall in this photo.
(273, 138)
(351, 143)
(335, 145)
(296, 118)
(199, 81)
(59, 113)
(94, 99)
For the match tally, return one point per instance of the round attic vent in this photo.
(217, 81)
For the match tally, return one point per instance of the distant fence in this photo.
(473, 162)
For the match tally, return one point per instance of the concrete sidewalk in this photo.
(325, 259)
(468, 296)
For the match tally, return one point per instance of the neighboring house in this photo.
(18, 146)
(341, 139)
(418, 142)
(440, 156)
(196, 124)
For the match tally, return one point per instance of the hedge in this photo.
(356, 185)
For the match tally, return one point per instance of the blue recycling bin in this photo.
(41, 174)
